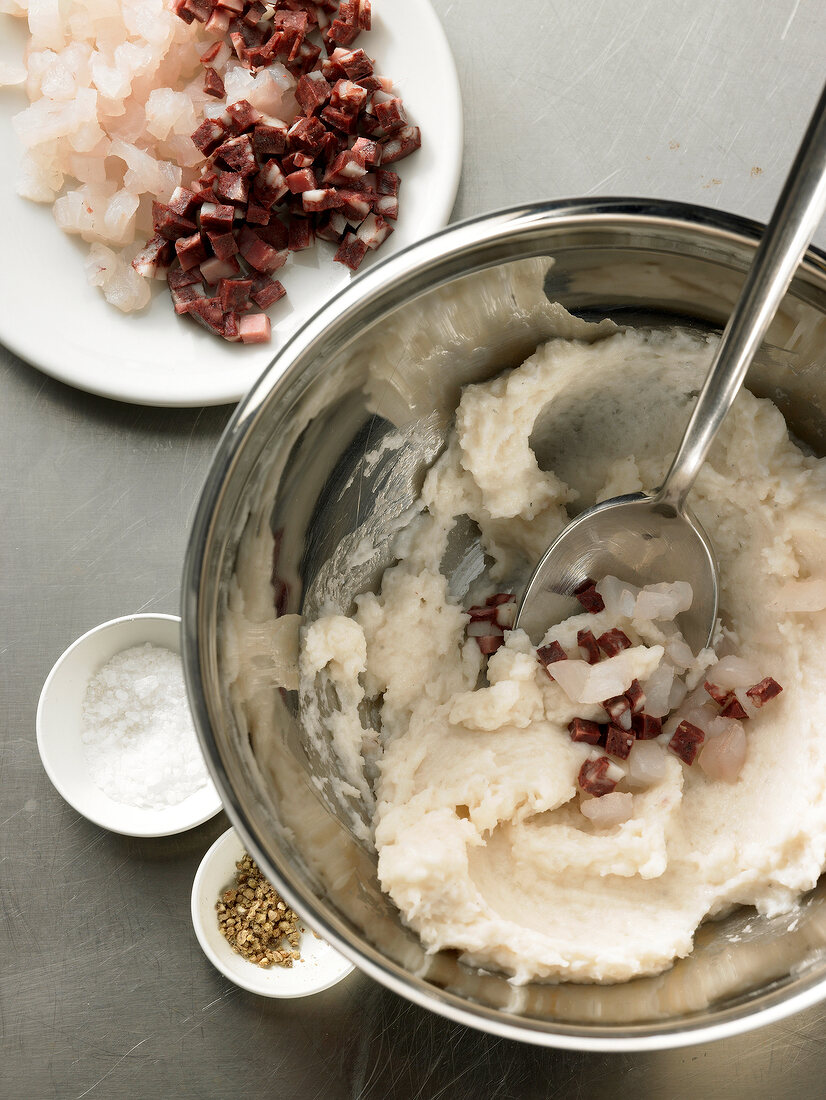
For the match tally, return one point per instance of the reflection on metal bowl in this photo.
(309, 484)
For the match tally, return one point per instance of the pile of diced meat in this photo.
(268, 188)
(634, 720)
(232, 133)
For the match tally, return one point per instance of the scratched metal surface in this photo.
(103, 990)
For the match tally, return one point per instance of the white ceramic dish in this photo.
(55, 320)
(320, 965)
(59, 729)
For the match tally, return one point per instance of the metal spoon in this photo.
(646, 538)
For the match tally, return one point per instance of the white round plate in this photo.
(55, 320)
(320, 965)
(59, 728)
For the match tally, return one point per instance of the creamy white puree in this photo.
(476, 819)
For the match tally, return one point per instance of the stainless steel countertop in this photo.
(104, 991)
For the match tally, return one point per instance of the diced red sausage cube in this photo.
(581, 729)
(213, 84)
(254, 328)
(266, 291)
(585, 640)
(232, 187)
(686, 741)
(235, 294)
(191, 251)
(593, 778)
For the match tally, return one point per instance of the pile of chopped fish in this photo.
(231, 133)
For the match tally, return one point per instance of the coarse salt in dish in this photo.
(66, 703)
(138, 738)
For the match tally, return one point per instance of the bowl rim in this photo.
(367, 290)
(57, 778)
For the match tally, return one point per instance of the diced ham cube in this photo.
(374, 230)
(686, 741)
(306, 135)
(269, 140)
(589, 597)
(325, 230)
(636, 697)
(217, 216)
(585, 640)
(199, 9)
(300, 235)
(354, 206)
(312, 92)
(619, 742)
(211, 52)
(266, 291)
(646, 727)
(191, 251)
(593, 777)
(401, 144)
(734, 709)
(550, 654)
(342, 33)
(208, 312)
(387, 206)
(718, 694)
(321, 199)
(154, 258)
(348, 96)
(255, 13)
(583, 730)
(235, 294)
(170, 225)
(369, 152)
(258, 253)
(240, 47)
(270, 184)
(348, 165)
(183, 202)
(209, 135)
(387, 182)
(613, 641)
(213, 84)
(391, 114)
(256, 214)
(218, 23)
(178, 6)
(224, 245)
(233, 187)
(242, 116)
(182, 297)
(303, 180)
(355, 63)
(237, 154)
(254, 328)
(766, 690)
(346, 121)
(275, 233)
(616, 707)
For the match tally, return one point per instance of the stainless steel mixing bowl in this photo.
(320, 461)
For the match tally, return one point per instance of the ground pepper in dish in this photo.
(255, 921)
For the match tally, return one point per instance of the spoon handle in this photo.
(796, 216)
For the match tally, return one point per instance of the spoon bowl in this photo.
(655, 537)
(637, 538)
